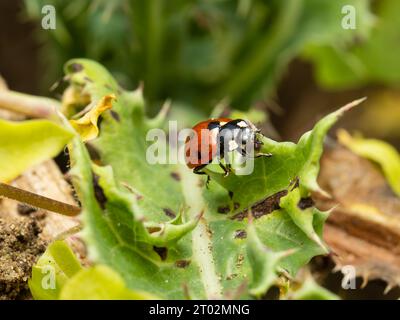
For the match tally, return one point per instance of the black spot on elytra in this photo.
(161, 251)
(98, 192)
(169, 213)
(176, 176)
(115, 115)
(24, 209)
(305, 203)
(240, 234)
(213, 125)
(182, 263)
(75, 67)
(223, 209)
(230, 193)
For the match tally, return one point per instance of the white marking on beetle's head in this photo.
(242, 124)
(232, 145)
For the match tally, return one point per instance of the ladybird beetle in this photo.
(215, 138)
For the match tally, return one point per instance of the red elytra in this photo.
(201, 147)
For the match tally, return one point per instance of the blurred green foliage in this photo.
(373, 59)
(195, 52)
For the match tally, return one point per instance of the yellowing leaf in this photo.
(378, 151)
(87, 125)
(59, 275)
(27, 143)
(100, 283)
(57, 264)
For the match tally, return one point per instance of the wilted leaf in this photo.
(87, 125)
(27, 143)
(132, 201)
(378, 151)
(364, 228)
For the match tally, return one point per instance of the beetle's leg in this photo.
(258, 155)
(198, 169)
(226, 171)
(208, 181)
(257, 145)
(229, 167)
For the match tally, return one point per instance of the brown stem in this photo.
(31, 106)
(38, 201)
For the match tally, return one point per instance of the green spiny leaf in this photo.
(303, 218)
(264, 263)
(212, 260)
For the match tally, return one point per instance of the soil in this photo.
(26, 231)
(20, 247)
